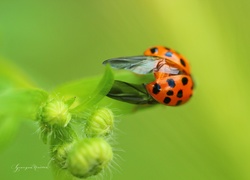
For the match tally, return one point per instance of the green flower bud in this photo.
(56, 112)
(60, 154)
(88, 157)
(100, 123)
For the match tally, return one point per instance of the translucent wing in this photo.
(141, 64)
(130, 93)
(136, 64)
(166, 69)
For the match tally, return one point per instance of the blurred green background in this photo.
(206, 139)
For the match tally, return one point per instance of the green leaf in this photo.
(70, 101)
(100, 91)
(82, 89)
(79, 88)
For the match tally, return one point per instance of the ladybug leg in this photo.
(130, 93)
(159, 65)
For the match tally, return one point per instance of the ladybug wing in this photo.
(136, 64)
(166, 69)
(142, 64)
(130, 93)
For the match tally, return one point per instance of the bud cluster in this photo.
(82, 154)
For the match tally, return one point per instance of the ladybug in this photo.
(173, 84)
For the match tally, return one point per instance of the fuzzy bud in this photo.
(60, 154)
(56, 112)
(88, 157)
(100, 123)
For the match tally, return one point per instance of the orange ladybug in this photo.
(173, 84)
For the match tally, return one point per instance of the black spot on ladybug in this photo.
(171, 83)
(156, 88)
(178, 102)
(170, 93)
(184, 81)
(183, 62)
(167, 100)
(153, 50)
(180, 94)
(167, 48)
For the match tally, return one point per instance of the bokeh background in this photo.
(206, 139)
